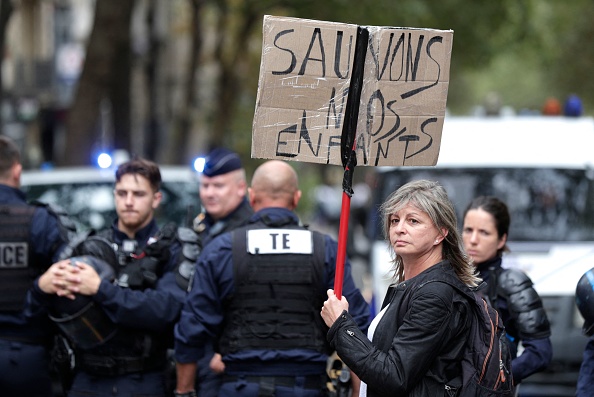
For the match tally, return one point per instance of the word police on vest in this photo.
(13, 255)
(279, 241)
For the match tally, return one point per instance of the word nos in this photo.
(304, 87)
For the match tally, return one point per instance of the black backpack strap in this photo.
(319, 258)
(493, 286)
(238, 250)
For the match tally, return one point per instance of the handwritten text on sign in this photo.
(305, 74)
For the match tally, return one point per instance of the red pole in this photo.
(343, 231)
(348, 147)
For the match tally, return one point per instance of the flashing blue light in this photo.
(199, 164)
(104, 160)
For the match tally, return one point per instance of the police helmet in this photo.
(584, 299)
(81, 320)
(100, 248)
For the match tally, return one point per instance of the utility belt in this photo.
(268, 383)
(116, 366)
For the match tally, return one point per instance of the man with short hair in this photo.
(31, 239)
(223, 189)
(143, 302)
(258, 291)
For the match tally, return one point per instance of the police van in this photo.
(542, 167)
(86, 193)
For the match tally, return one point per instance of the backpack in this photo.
(486, 362)
(486, 365)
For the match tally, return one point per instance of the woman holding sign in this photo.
(416, 344)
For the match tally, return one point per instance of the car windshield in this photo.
(545, 204)
(90, 203)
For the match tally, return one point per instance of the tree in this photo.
(105, 77)
(6, 9)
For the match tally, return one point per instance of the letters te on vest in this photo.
(279, 241)
(13, 255)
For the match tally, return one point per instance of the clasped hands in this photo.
(70, 277)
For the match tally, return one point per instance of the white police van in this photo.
(542, 167)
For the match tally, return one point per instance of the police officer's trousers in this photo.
(149, 384)
(248, 386)
(24, 370)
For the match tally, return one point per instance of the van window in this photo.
(546, 204)
(87, 195)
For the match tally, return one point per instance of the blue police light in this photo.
(104, 160)
(199, 164)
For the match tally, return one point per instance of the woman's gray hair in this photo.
(431, 198)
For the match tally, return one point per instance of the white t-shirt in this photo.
(370, 331)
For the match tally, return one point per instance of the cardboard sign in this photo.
(306, 76)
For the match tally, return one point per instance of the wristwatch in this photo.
(191, 393)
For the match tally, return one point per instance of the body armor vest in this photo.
(279, 291)
(16, 270)
(136, 269)
(131, 350)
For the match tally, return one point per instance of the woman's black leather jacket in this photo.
(416, 350)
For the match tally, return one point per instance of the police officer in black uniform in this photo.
(31, 239)
(584, 299)
(510, 291)
(223, 189)
(141, 304)
(258, 290)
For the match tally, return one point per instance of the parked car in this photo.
(86, 193)
(542, 167)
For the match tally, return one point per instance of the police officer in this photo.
(258, 290)
(510, 291)
(223, 189)
(31, 239)
(584, 299)
(143, 302)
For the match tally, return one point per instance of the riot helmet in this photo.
(584, 299)
(80, 319)
(100, 248)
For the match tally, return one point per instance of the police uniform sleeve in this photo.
(526, 309)
(186, 256)
(152, 308)
(358, 307)
(585, 383)
(535, 357)
(524, 304)
(51, 231)
(202, 314)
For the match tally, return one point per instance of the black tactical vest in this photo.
(279, 290)
(129, 350)
(16, 270)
